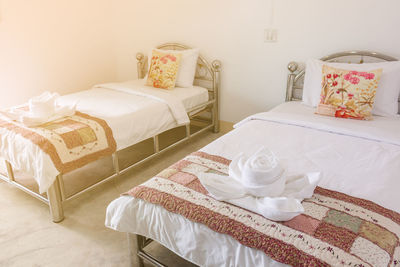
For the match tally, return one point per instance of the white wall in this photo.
(55, 45)
(254, 72)
(69, 45)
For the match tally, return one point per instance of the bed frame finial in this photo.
(140, 65)
(139, 56)
(292, 66)
(216, 64)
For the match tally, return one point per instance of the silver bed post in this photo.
(292, 66)
(55, 201)
(156, 144)
(187, 126)
(216, 67)
(135, 243)
(140, 65)
(62, 187)
(10, 172)
(116, 162)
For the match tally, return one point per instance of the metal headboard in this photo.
(207, 75)
(294, 90)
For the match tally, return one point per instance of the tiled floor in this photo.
(29, 238)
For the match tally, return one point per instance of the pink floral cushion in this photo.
(347, 93)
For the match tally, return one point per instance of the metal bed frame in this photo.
(206, 75)
(137, 243)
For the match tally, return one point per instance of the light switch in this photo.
(270, 35)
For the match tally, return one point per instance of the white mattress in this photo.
(360, 158)
(134, 118)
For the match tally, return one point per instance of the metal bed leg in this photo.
(135, 243)
(10, 172)
(116, 163)
(55, 201)
(156, 143)
(215, 119)
(62, 187)
(188, 130)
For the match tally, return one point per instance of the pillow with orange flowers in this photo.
(347, 93)
(163, 69)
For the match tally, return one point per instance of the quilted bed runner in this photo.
(335, 230)
(71, 142)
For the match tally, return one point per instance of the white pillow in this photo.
(387, 94)
(187, 67)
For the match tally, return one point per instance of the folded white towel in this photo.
(42, 109)
(261, 174)
(283, 208)
(259, 183)
(43, 106)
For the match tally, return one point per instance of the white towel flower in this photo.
(261, 174)
(258, 183)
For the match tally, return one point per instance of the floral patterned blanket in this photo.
(336, 229)
(71, 142)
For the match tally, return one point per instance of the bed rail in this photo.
(136, 244)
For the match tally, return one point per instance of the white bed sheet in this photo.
(132, 118)
(366, 166)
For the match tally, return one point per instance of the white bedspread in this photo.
(359, 158)
(382, 129)
(137, 88)
(132, 116)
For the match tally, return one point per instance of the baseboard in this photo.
(225, 126)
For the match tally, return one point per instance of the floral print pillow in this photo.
(163, 69)
(347, 93)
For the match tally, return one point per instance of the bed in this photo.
(360, 163)
(128, 113)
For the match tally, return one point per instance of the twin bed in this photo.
(132, 111)
(353, 218)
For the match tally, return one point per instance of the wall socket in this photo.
(270, 35)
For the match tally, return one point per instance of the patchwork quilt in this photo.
(71, 142)
(335, 230)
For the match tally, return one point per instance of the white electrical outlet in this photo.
(270, 35)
